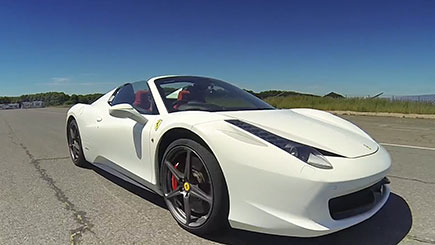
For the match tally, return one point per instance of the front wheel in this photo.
(194, 187)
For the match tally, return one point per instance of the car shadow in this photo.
(145, 194)
(389, 226)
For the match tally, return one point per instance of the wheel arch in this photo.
(70, 118)
(74, 112)
(167, 138)
(68, 121)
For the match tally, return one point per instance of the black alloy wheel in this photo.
(194, 188)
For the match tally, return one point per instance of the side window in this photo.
(125, 95)
(138, 96)
(175, 94)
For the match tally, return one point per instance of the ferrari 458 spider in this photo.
(220, 156)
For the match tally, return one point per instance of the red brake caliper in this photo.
(174, 180)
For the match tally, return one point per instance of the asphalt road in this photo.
(45, 199)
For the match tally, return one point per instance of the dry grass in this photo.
(352, 104)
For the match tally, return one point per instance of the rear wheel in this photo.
(194, 187)
(75, 144)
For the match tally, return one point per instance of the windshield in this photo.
(205, 94)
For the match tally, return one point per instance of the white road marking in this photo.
(410, 146)
(409, 129)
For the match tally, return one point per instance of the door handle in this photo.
(99, 119)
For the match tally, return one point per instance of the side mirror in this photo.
(127, 111)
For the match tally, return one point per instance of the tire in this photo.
(75, 144)
(206, 190)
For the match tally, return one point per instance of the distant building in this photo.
(13, 106)
(26, 105)
(33, 104)
(23, 105)
(38, 104)
(334, 95)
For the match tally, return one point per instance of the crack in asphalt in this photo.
(422, 240)
(52, 158)
(78, 215)
(412, 179)
(11, 133)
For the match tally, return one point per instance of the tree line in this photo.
(275, 93)
(52, 98)
(60, 98)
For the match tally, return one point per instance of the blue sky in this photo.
(353, 47)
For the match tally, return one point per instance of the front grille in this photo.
(357, 202)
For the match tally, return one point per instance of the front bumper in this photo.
(314, 218)
(275, 193)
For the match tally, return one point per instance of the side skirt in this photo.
(124, 174)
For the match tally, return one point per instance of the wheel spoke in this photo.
(76, 147)
(72, 133)
(178, 175)
(76, 134)
(174, 193)
(187, 210)
(197, 192)
(76, 152)
(187, 166)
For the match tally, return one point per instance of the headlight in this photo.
(305, 153)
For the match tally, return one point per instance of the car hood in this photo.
(335, 136)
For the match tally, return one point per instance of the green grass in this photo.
(352, 104)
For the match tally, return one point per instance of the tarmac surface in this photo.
(45, 199)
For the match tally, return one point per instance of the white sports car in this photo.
(220, 156)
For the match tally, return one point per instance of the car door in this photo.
(124, 143)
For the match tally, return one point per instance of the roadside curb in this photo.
(385, 114)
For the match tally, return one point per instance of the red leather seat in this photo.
(142, 100)
(183, 97)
